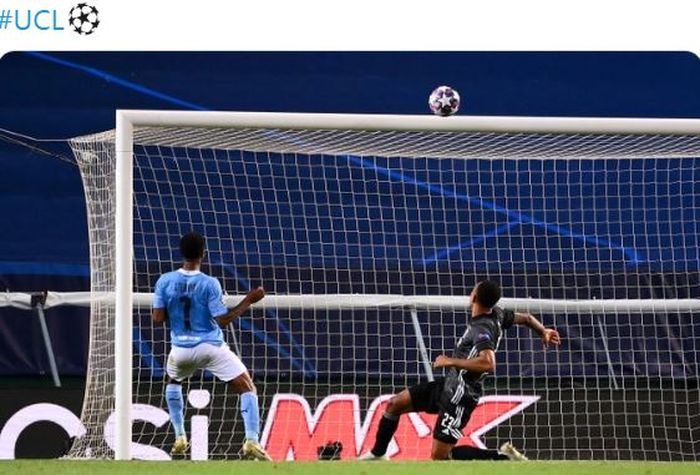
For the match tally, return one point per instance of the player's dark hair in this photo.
(487, 293)
(192, 246)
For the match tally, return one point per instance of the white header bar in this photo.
(259, 25)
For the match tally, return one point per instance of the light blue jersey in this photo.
(192, 300)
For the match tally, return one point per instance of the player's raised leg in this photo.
(398, 404)
(228, 367)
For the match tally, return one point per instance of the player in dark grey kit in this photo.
(455, 396)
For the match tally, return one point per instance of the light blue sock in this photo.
(251, 415)
(173, 394)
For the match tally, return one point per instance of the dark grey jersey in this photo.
(483, 332)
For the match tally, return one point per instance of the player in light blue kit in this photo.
(192, 303)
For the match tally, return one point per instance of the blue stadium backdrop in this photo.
(58, 95)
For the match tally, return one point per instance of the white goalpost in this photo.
(123, 288)
(368, 232)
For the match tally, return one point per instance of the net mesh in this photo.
(304, 212)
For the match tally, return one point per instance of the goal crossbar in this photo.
(380, 122)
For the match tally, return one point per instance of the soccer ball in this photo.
(444, 101)
(84, 18)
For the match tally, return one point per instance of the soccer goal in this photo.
(368, 233)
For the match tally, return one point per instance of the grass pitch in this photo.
(61, 467)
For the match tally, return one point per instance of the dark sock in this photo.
(465, 452)
(386, 430)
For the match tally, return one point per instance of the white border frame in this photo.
(126, 120)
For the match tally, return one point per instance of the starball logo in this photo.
(82, 19)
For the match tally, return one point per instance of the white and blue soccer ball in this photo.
(444, 101)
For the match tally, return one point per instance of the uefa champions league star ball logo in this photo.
(84, 19)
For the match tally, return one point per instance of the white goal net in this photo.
(369, 240)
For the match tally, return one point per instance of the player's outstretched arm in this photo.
(549, 336)
(485, 362)
(252, 297)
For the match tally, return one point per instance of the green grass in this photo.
(60, 467)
